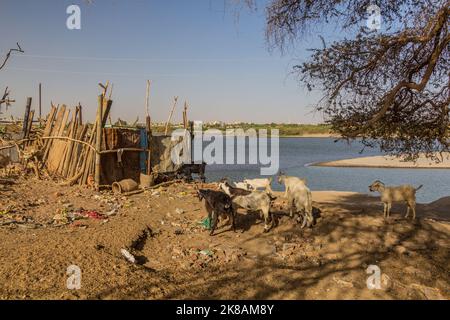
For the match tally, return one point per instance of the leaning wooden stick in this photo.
(25, 118)
(175, 99)
(98, 139)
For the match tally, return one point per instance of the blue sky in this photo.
(195, 49)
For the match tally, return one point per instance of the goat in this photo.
(250, 200)
(260, 183)
(299, 198)
(217, 203)
(289, 182)
(233, 191)
(242, 185)
(404, 192)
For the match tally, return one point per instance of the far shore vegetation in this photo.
(285, 130)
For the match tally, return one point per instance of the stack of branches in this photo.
(70, 149)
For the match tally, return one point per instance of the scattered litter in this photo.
(179, 211)
(112, 212)
(67, 205)
(60, 217)
(206, 223)
(400, 250)
(79, 224)
(128, 256)
(206, 252)
(94, 215)
(343, 283)
(429, 292)
(126, 185)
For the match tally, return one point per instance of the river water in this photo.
(297, 153)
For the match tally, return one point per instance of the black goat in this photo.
(217, 203)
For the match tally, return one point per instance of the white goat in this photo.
(242, 185)
(290, 182)
(299, 198)
(260, 183)
(258, 201)
(301, 201)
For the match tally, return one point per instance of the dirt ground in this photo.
(45, 227)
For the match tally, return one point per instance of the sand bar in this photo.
(389, 162)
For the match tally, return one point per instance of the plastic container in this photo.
(147, 180)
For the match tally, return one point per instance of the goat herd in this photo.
(246, 195)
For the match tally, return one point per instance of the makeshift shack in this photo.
(98, 154)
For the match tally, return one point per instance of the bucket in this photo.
(125, 185)
(147, 180)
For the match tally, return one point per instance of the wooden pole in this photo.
(105, 111)
(70, 145)
(185, 120)
(80, 113)
(175, 99)
(191, 131)
(148, 127)
(40, 101)
(147, 99)
(29, 124)
(98, 140)
(25, 118)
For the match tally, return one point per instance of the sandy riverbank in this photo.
(311, 135)
(178, 259)
(389, 162)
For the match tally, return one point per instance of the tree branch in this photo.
(18, 49)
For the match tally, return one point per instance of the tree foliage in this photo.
(391, 87)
